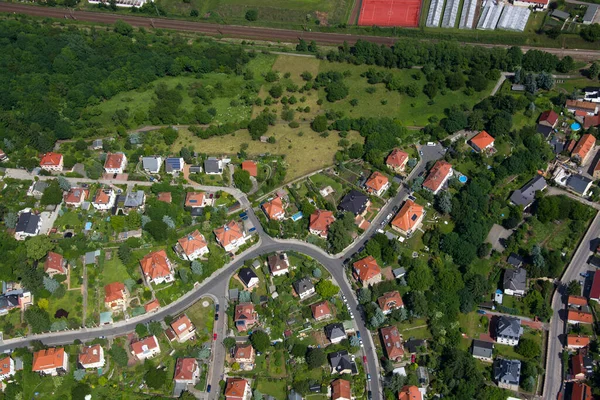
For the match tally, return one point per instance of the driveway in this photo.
(497, 235)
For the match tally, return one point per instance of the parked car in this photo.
(482, 312)
(369, 377)
(365, 359)
(584, 274)
(216, 317)
(208, 388)
(215, 336)
(358, 334)
(217, 308)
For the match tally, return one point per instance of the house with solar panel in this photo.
(174, 165)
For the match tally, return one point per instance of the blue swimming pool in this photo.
(462, 179)
(575, 126)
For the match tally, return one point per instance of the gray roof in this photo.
(97, 143)
(28, 223)
(561, 14)
(509, 327)
(544, 130)
(211, 166)
(399, 272)
(233, 294)
(173, 164)
(578, 183)
(90, 257)
(590, 13)
(482, 348)
(294, 396)
(340, 361)
(507, 371)
(526, 195)
(515, 260)
(246, 274)
(335, 331)
(413, 345)
(354, 202)
(40, 186)
(303, 285)
(515, 279)
(151, 163)
(195, 168)
(134, 199)
(10, 301)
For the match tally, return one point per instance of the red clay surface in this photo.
(390, 13)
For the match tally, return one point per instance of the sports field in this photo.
(390, 13)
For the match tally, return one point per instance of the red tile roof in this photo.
(165, 196)
(366, 268)
(397, 158)
(436, 176)
(581, 391)
(150, 342)
(185, 368)
(151, 306)
(48, 359)
(194, 199)
(407, 217)
(55, 263)
(390, 301)
(578, 367)
(577, 300)
(235, 388)
(273, 208)
(482, 140)
(340, 389)
(549, 116)
(391, 342)
(578, 341)
(244, 311)
(192, 242)
(51, 160)
(114, 291)
(585, 144)
(376, 181)
(585, 105)
(155, 264)
(114, 161)
(181, 324)
(103, 196)
(243, 352)
(321, 309)
(595, 290)
(90, 354)
(76, 195)
(229, 233)
(249, 166)
(409, 393)
(320, 220)
(579, 316)
(5, 365)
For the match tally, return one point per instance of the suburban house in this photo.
(507, 373)
(134, 200)
(115, 163)
(152, 164)
(28, 224)
(3, 156)
(244, 355)
(409, 218)
(55, 264)
(583, 150)
(192, 246)
(274, 209)
(248, 277)
(577, 301)
(397, 160)
(526, 195)
(391, 341)
(245, 316)
(482, 142)
(582, 107)
(319, 222)
(92, 357)
(197, 200)
(340, 390)
(237, 389)
(37, 189)
(366, 271)
(377, 183)
(438, 176)
(413, 346)
(577, 341)
(116, 296)
(174, 165)
(104, 199)
(7, 368)
(508, 330)
(548, 118)
(390, 301)
(187, 371)
(321, 310)
(515, 260)
(165, 197)
(279, 264)
(579, 184)
(52, 162)
(249, 166)
(341, 363)
(515, 282)
(335, 332)
(213, 166)
(579, 391)
(11, 299)
(576, 317)
(152, 306)
(582, 365)
(231, 236)
(304, 288)
(410, 393)
(145, 348)
(181, 329)
(157, 268)
(195, 169)
(76, 196)
(355, 202)
(482, 350)
(53, 361)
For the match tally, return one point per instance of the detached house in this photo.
(145, 348)
(197, 200)
(548, 118)
(53, 361)
(583, 149)
(355, 202)
(279, 264)
(104, 200)
(482, 350)
(152, 164)
(438, 176)
(397, 160)
(390, 301)
(526, 195)
(174, 165)
(115, 163)
(133, 201)
(319, 222)
(575, 317)
(274, 209)
(76, 196)
(181, 329)
(192, 246)
(341, 363)
(515, 282)
(92, 357)
(377, 183)
(52, 162)
(409, 218)
(582, 365)
(7, 368)
(55, 264)
(367, 271)
(237, 389)
(248, 277)
(410, 393)
(213, 166)
(340, 390)
(577, 341)
(508, 330)
(187, 372)
(579, 391)
(304, 288)
(157, 268)
(507, 374)
(321, 310)
(244, 355)
(482, 142)
(335, 332)
(245, 316)
(249, 166)
(231, 236)
(29, 224)
(391, 341)
(116, 296)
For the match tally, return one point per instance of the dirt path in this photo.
(353, 18)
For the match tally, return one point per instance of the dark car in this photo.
(216, 317)
(369, 395)
(217, 308)
(208, 388)
(114, 176)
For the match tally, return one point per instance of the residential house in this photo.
(583, 107)
(145, 348)
(595, 289)
(579, 391)
(92, 357)
(244, 355)
(187, 372)
(341, 363)
(335, 332)
(596, 172)
(53, 361)
(152, 306)
(319, 223)
(367, 271)
(583, 149)
(410, 393)
(438, 176)
(515, 260)
(182, 328)
(55, 264)
(134, 200)
(7, 368)
(37, 189)
(579, 184)
(588, 18)
(576, 317)
(582, 365)
(13, 297)
(248, 277)
(116, 296)
(293, 395)
(577, 301)
(482, 350)
(174, 165)
(548, 118)
(482, 142)
(515, 282)
(192, 246)
(157, 268)
(279, 264)
(507, 373)
(245, 316)
(508, 330)
(197, 200)
(526, 195)
(213, 166)
(340, 390)
(97, 144)
(195, 169)
(52, 162)
(249, 166)
(577, 341)
(355, 202)
(152, 164)
(29, 224)
(397, 160)
(231, 236)
(321, 310)
(409, 218)
(76, 196)
(237, 389)
(274, 209)
(115, 163)
(3, 156)
(165, 197)
(304, 288)
(560, 15)
(104, 199)
(590, 121)
(390, 301)
(413, 346)
(391, 341)
(377, 183)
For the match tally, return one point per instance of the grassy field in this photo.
(471, 324)
(114, 271)
(72, 302)
(275, 388)
(202, 317)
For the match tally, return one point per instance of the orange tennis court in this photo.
(390, 13)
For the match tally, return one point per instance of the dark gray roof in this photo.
(515, 260)
(557, 145)
(246, 274)
(507, 371)
(544, 130)
(560, 14)
(211, 166)
(134, 199)
(578, 183)
(509, 327)
(340, 361)
(40, 186)
(151, 163)
(354, 202)
(526, 195)
(482, 348)
(592, 9)
(28, 223)
(412, 345)
(195, 168)
(515, 279)
(9, 301)
(303, 285)
(335, 331)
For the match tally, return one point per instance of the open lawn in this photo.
(114, 271)
(202, 317)
(69, 220)
(471, 324)
(417, 329)
(71, 302)
(275, 388)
